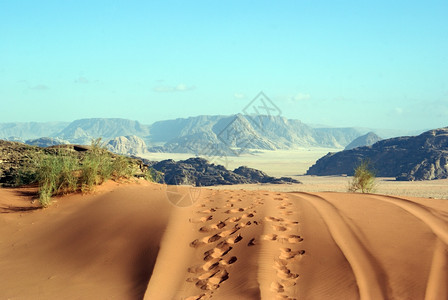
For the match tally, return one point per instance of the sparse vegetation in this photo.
(64, 172)
(364, 179)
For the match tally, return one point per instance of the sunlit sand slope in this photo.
(150, 242)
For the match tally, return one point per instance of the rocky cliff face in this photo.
(128, 145)
(368, 139)
(422, 157)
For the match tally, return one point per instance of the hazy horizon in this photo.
(345, 64)
(313, 125)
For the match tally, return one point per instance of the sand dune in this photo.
(147, 241)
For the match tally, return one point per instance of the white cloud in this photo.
(301, 97)
(181, 87)
(82, 80)
(292, 98)
(398, 110)
(239, 95)
(39, 87)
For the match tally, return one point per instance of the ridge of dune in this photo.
(366, 271)
(153, 241)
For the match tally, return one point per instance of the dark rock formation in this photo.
(258, 176)
(422, 157)
(365, 140)
(198, 172)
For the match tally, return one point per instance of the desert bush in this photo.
(364, 179)
(63, 171)
(56, 174)
(153, 175)
(122, 168)
(96, 166)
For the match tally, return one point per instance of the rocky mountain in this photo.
(29, 130)
(422, 157)
(128, 145)
(201, 135)
(367, 139)
(199, 172)
(84, 130)
(234, 134)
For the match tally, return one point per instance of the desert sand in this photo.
(150, 241)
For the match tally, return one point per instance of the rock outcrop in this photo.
(365, 140)
(13, 157)
(422, 157)
(16, 159)
(257, 176)
(199, 172)
(127, 145)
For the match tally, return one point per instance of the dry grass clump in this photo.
(364, 179)
(66, 172)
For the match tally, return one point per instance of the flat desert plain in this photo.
(150, 241)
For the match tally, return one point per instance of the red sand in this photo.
(131, 242)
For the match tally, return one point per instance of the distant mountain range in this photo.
(197, 135)
(422, 157)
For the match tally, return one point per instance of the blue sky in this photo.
(381, 64)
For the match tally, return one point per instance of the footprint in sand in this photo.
(244, 224)
(197, 297)
(277, 287)
(234, 210)
(273, 219)
(207, 211)
(249, 215)
(212, 238)
(208, 228)
(287, 253)
(287, 212)
(234, 219)
(217, 252)
(293, 239)
(201, 220)
(234, 240)
(232, 260)
(279, 228)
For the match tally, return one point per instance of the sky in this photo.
(377, 64)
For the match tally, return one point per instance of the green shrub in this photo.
(56, 174)
(122, 168)
(153, 175)
(63, 171)
(364, 178)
